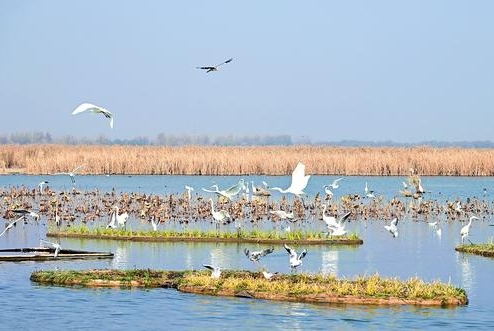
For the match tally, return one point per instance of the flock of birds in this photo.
(335, 225)
(295, 260)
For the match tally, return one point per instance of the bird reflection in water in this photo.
(121, 258)
(467, 272)
(330, 263)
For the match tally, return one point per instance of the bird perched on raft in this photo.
(95, 110)
(56, 246)
(255, 256)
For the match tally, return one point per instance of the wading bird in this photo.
(216, 67)
(116, 219)
(41, 184)
(393, 227)
(299, 181)
(256, 255)
(465, 230)
(189, 190)
(219, 216)
(368, 193)
(295, 260)
(95, 110)
(56, 246)
(216, 271)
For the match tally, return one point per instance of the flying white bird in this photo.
(11, 224)
(295, 260)
(216, 67)
(229, 192)
(393, 227)
(335, 184)
(465, 230)
(336, 227)
(216, 271)
(95, 109)
(72, 173)
(256, 255)
(299, 181)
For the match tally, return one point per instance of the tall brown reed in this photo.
(207, 160)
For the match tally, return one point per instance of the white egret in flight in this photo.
(299, 181)
(94, 109)
(295, 260)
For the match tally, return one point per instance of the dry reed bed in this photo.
(207, 160)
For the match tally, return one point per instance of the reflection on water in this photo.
(218, 257)
(121, 258)
(467, 272)
(329, 263)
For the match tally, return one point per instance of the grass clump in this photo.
(293, 287)
(197, 234)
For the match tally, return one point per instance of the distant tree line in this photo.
(164, 139)
(161, 139)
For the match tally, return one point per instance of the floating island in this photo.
(370, 290)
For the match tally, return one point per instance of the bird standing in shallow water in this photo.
(465, 230)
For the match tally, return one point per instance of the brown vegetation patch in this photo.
(235, 160)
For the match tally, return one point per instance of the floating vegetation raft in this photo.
(373, 290)
(259, 237)
(478, 249)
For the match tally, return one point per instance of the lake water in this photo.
(417, 251)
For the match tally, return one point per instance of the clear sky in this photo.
(406, 71)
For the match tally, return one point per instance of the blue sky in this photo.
(406, 71)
